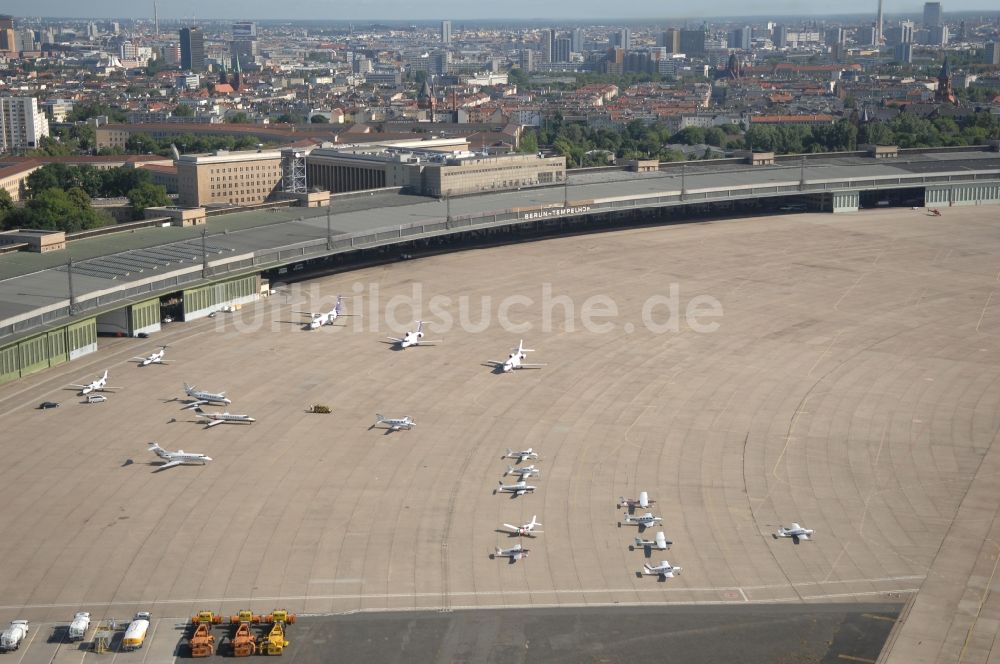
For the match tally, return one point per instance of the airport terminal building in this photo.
(428, 172)
(57, 298)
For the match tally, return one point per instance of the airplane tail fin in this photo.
(188, 388)
(379, 418)
(510, 469)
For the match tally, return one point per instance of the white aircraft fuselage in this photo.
(177, 458)
(206, 397)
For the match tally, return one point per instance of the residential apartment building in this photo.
(22, 124)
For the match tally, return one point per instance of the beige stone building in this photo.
(427, 172)
(228, 178)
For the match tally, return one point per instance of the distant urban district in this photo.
(105, 121)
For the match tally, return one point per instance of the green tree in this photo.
(86, 111)
(50, 176)
(319, 119)
(715, 136)
(689, 136)
(529, 142)
(55, 209)
(238, 118)
(183, 111)
(85, 135)
(876, 133)
(147, 195)
(6, 205)
(517, 77)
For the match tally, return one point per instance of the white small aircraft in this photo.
(328, 318)
(176, 458)
(664, 570)
(516, 360)
(642, 501)
(201, 397)
(515, 553)
(525, 530)
(796, 532)
(415, 338)
(659, 542)
(517, 488)
(524, 472)
(394, 423)
(522, 455)
(152, 358)
(644, 521)
(223, 418)
(98, 385)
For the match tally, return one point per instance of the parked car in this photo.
(45, 405)
(96, 398)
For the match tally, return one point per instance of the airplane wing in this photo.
(211, 424)
(532, 366)
(169, 464)
(80, 387)
(305, 313)
(804, 536)
(495, 363)
(512, 527)
(398, 341)
(138, 359)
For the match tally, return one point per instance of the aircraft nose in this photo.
(208, 458)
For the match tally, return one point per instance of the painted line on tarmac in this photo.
(488, 593)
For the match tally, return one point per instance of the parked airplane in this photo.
(796, 532)
(152, 358)
(176, 458)
(98, 385)
(524, 472)
(525, 530)
(328, 318)
(659, 542)
(516, 360)
(664, 570)
(642, 501)
(223, 418)
(644, 521)
(522, 455)
(517, 488)
(414, 338)
(394, 423)
(515, 553)
(201, 397)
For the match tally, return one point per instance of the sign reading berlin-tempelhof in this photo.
(561, 212)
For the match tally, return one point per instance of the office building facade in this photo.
(192, 49)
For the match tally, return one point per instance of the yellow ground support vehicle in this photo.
(274, 642)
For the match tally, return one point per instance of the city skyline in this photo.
(517, 10)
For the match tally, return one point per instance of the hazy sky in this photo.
(461, 9)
